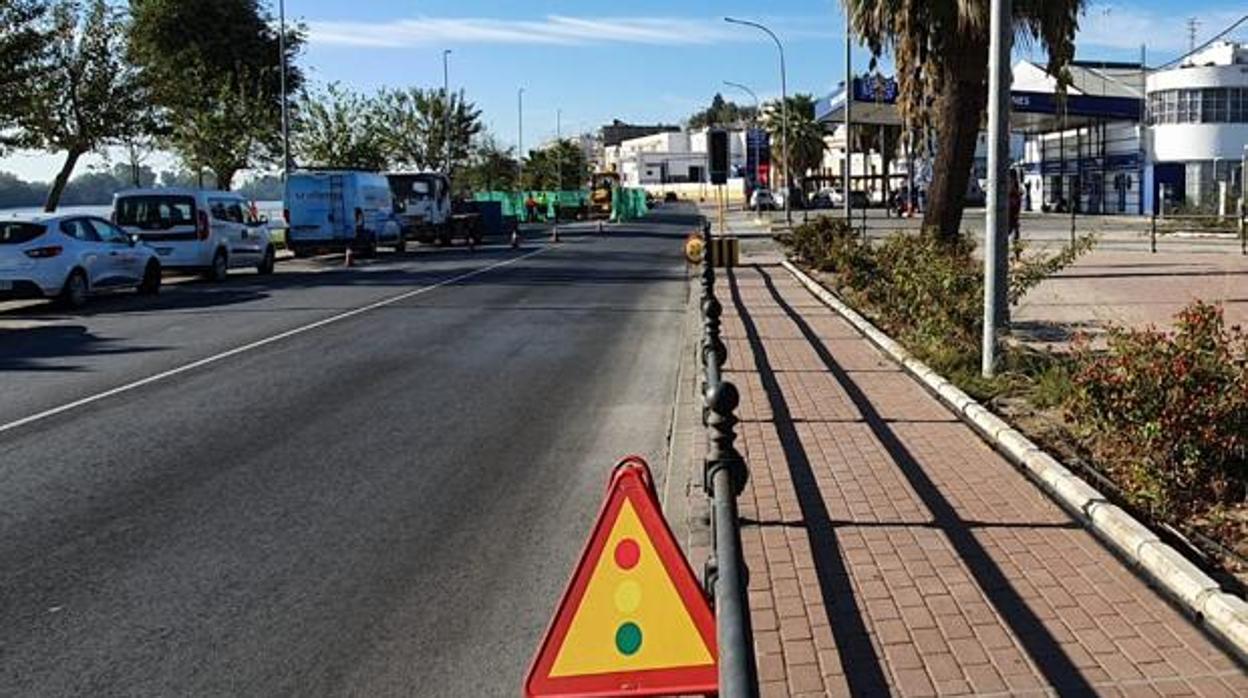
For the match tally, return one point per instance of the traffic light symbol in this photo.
(627, 597)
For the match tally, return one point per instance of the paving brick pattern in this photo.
(893, 553)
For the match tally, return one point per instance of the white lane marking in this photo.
(257, 344)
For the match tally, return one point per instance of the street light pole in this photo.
(758, 154)
(849, 106)
(446, 95)
(784, 115)
(559, 145)
(520, 138)
(996, 229)
(281, 42)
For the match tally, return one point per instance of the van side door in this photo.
(227, 232)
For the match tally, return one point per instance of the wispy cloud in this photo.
(552, 30)
(1123, 26)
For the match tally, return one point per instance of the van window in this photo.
(155, 212)
(18, 233)
(226, 210)
(234, 212)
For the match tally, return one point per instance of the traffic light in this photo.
(718, 146)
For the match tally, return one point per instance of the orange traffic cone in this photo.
(515, 238)
(554, 234)
(349, 257)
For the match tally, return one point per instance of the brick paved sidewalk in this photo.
(892, 552)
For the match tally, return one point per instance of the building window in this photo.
(1214, 101)
(1213, 105)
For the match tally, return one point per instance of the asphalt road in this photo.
(387, 503)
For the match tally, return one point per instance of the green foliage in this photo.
(212, 69)
(23, 41)
(339, 128)
(543, 168)
(925, 290)
(1167, 413)
(805, 135)
(414, 136)
(491, 167)
(722, 113)
(86, 95)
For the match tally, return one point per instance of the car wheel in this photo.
(267, 263)
(220, 267)
(74, 293)
(150, 285)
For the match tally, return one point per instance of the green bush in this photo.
(1167, 413)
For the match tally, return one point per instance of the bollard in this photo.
(1153, 235)
(1243, 222)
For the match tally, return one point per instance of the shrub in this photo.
(1167, 413)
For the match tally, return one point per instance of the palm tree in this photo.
(806, 144)
(940, 48)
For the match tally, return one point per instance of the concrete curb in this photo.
(1222, 614)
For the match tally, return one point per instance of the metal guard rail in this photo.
(724, 479)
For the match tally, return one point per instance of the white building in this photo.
(669, 158)
(1198, 124)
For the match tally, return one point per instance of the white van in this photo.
(331, 210)
(195, 229)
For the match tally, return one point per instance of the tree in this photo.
(213, 69)
(340, 128)
(560, 165)
(722, 113)
(416, 128)
(940, 48)
(86, 92)
(805, 134)
(23, 41)
(491, 167)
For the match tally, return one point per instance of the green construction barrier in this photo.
(513, 202)
(628, 204)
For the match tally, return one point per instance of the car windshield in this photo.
(411, 188)
(155, 212)
(14, 233)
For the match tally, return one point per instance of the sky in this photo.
(641, 61)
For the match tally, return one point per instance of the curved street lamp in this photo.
(784, 114)
(758, 149)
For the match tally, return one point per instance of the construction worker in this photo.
(530, 207)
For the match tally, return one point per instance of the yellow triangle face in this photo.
(631, 617)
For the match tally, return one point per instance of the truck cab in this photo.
(422, 204)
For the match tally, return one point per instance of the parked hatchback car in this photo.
(70, 257)
(197, 230)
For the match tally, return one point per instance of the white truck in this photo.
(333, 210)
(423, 206)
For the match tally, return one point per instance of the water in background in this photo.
(272, 209)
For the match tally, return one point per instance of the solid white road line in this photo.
(257, 344)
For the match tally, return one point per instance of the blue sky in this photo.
(640, 60)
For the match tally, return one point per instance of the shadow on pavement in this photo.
(26, 349)
(1045, 651)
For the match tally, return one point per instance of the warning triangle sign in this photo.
(633, 620)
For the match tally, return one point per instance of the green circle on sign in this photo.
(628, 639)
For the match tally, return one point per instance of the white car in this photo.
(69, 257)
(764, 200)
(197, 230)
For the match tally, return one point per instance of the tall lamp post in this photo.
(784, 115)
(519, 137)
(849, 122)
(996, 232)
(281, 43)
(758, 147)
(446, 94)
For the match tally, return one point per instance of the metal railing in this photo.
(725, 476)
(1236, 222)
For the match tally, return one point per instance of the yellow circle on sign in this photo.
(628, 596)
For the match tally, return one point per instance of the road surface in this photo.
(371, 481)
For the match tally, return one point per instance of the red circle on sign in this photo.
(627, 553)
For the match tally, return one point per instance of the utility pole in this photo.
(996, 231)
(446, 94)
(281, 42)
(849, 106)
(559, 145)
(1193, 28)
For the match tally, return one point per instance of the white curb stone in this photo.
(1224, 615)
